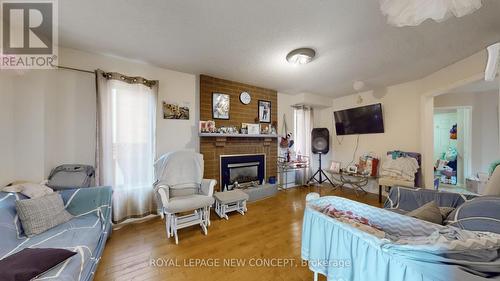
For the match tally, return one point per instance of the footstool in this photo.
(228, 201)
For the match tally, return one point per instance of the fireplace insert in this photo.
(240, 171)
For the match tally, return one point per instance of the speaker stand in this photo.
(321, 174)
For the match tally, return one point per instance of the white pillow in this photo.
(32, 190)
(35, 190)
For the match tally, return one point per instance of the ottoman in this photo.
(228, 201)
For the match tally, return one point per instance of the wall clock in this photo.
(245, 98)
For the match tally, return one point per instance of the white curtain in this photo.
(303, 126)
(126, 144)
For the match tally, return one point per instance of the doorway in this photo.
(452, 144)
(466, 132)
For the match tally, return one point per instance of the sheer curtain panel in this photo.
(125, 153)
(303, 126)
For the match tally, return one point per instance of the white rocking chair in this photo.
(179, 189)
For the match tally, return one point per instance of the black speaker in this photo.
(320, 140)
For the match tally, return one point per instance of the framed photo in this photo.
(203, 127)
(265, 129)
(220, 106)
(264, 111)
(335, 167)
(174, 111)
(253, 129)
(211, 126)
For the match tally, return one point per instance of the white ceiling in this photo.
(247, 41)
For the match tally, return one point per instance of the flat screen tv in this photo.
(359, 120)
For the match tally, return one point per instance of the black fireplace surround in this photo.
(243, 169)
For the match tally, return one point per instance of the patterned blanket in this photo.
(412, 249)
(85, 234)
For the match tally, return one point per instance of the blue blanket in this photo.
(86, 233)
(342, 252)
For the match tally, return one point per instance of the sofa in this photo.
(86, 233)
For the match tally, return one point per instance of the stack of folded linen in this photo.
(402, 168)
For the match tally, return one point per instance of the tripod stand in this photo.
(321, 174)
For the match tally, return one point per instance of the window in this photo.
(303, 124)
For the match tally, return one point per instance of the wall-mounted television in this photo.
(359, 120)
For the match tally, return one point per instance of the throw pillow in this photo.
(478, 214)
(445, 211)
(34, 190)
(40, 214)
(428, 212)
(28, 264)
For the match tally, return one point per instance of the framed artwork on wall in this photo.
(174, 111)
(264, 111)
(220, 106)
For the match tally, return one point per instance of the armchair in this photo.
(180, 188)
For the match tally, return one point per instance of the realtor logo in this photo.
(28, 34)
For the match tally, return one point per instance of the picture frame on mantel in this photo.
(264, 108)
(220, 106)
(253, 129)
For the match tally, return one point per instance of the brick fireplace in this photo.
(215, 147)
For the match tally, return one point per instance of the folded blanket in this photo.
(403, 168)
(179, 168)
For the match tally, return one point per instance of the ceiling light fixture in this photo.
(301, 56)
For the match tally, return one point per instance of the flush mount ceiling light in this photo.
(301, 56)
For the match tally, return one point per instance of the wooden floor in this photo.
(269, 233)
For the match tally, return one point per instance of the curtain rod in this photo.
(301, 106)
(75, 69)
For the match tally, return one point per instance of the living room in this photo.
(234, 140)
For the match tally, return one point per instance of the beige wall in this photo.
(50, 114)
(285, 110)
(408, 114)
(461, 73)
(400, 107)
(6, 126)
(401, 120)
